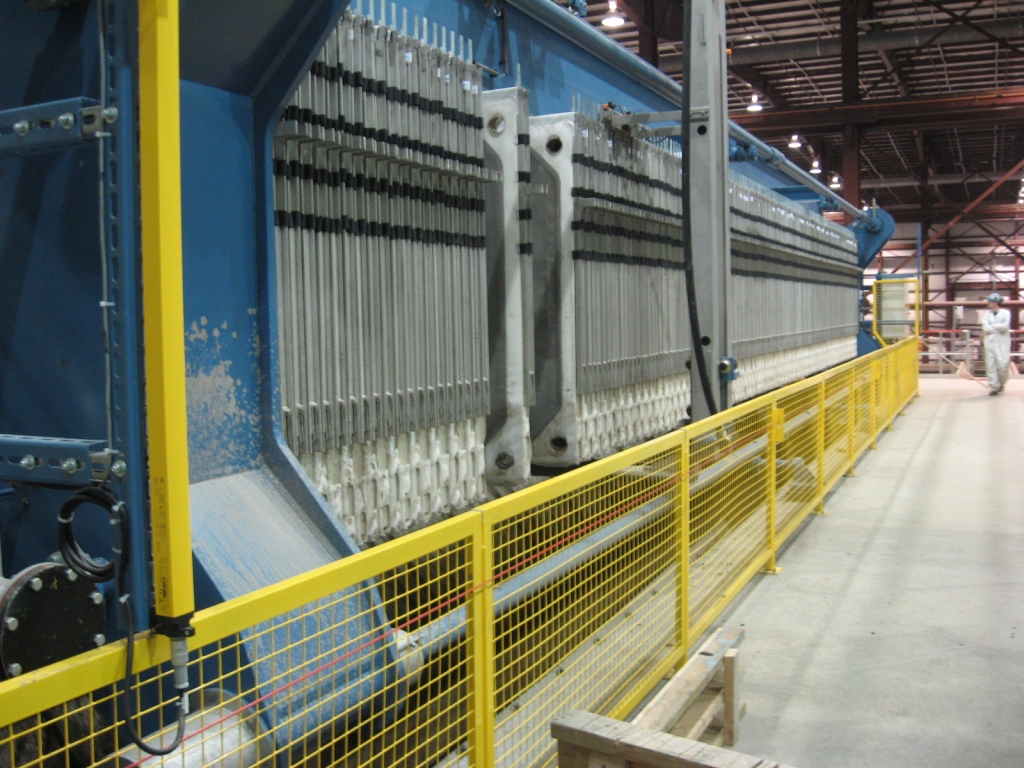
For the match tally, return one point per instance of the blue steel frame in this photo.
(54, 271)
(124, 285)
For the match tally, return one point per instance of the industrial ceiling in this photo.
(915, 90)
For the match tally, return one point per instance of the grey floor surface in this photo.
(895, 634)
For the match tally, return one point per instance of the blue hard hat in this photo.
(994, 297)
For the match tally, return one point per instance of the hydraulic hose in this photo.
(97, 571)
(691, 283)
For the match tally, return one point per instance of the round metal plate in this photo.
(47, 620)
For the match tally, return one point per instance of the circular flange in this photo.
(47, 614)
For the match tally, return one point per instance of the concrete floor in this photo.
(895, 634)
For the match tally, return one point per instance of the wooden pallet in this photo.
(700, 701)
(592, 741)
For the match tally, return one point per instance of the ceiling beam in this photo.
(911, 212)
(874, 41)
(761, 85)
(923, 113)
(945, 179)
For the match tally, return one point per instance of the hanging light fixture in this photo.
(836, 183)
(753, 106)
(613, 19)
(815, 167)
(795, 143)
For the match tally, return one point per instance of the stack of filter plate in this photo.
(609, 287)
(794, 290)
(381, 274)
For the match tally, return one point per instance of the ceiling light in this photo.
(815, 167)
(836, 183)
(753, 106)
(613, 19)
(795, 143)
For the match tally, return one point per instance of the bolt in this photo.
(70, 466)
(72, 576)
(504, 460)
(21, 127)
(28, 462)
(110, 114)
(97, 597)
(99, 640)
(14, 669)
(119, 468)
(10, 623)
(36, 584)
(66, 121)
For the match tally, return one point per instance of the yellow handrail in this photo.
(460, 642)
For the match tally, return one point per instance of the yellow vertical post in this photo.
(481, 622)
(683, 545)
(776, 425)
(820, 450)
(874, 404)
(890, 392)
(851, 437)
(162, 302)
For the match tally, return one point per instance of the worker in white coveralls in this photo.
(995, 324)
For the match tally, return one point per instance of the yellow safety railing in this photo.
(457, 644)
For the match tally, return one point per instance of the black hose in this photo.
(129, 711)
(77, 558)
(691, 283)
(97, 571)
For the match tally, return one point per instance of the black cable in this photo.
(77, 559)
(97, 571)
(129, 711)
(691, 283)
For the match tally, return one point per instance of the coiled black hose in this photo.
(97, 571)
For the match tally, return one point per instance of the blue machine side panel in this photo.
(553, 69)
(51, 341)
(221, 335)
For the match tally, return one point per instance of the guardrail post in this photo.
(683, 546)
(851, 438)
(820, 508)
(874, 405)
(890, 392)
(776, 424)
(482, 626)
(163, 307)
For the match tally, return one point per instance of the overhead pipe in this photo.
(577, 31)
(777, 160)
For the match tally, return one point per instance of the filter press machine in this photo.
(291, 279)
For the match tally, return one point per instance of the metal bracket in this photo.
(54, 460)
(51, 124)
(697, 115)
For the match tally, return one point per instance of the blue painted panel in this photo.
(551, 67)
(221, 333)
(51, 343)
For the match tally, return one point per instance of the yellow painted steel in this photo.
(162, 297)
(915, 324)
(578, 593)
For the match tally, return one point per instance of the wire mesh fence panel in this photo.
(838, 414)
(372, 667)
(864, 404)
(584, 599)
(886, 398)
(797, 459)
(729, 520)
(457, 644)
